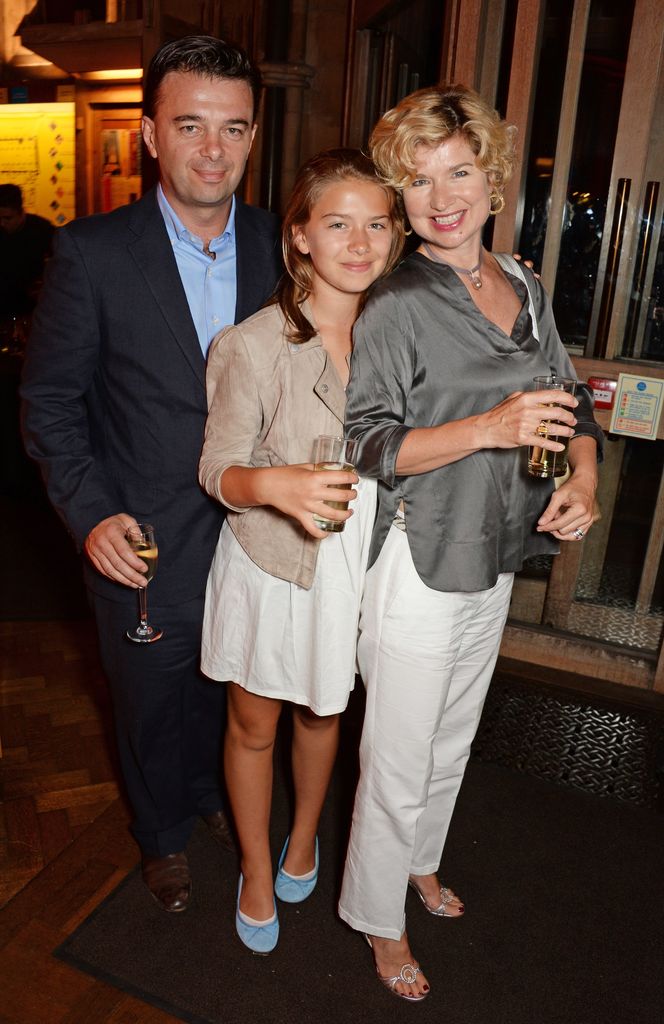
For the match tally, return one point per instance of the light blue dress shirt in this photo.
(210, 284)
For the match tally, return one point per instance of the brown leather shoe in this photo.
(168, 880)
(220, 830)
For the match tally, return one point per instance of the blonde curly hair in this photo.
(430, 117)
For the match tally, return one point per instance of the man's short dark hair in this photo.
(200, 55)
(11, 197)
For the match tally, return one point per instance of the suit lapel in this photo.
(153, 253)
(254, 265)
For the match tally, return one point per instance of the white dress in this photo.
(276, 639)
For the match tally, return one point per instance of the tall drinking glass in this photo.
(542, 462)
(334, 453)
(142, 539)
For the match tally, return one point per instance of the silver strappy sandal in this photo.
(446, 897)
(407, 974)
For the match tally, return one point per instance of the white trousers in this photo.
(426, 658)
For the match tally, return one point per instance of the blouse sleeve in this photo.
(234, 411)
(382, 366)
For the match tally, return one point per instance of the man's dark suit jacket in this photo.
(114, 401)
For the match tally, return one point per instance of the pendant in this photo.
(473, 273)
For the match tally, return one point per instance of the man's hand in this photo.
(109, 551)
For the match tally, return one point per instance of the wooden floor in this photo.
(64, 840)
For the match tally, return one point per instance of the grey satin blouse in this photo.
(423, 354)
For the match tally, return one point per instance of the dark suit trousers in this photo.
(169, 720)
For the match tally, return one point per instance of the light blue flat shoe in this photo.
(290, 888)
(258, 937)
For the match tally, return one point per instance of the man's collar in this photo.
(178, 231)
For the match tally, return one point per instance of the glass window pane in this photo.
(602, 80)
(644, 331)
(544, 132)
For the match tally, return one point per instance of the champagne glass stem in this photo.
(143, 606)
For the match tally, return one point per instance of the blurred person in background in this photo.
(25, 245)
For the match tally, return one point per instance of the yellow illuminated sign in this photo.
(37, 152)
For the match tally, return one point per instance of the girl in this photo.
(281, 608)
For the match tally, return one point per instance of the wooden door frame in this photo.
(121, 111)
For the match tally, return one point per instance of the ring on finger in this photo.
(542, 429)
(579, 534)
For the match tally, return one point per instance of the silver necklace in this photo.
(473, 273)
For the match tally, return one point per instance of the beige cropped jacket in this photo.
(268, 399)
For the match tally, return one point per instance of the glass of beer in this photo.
(334, 453)
(142, 539)
(543, 463)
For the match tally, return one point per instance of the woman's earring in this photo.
(497, 201)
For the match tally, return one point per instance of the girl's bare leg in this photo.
(248, 752)
(315, 742)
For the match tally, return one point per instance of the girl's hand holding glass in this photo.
(330, 455)
(304, 494)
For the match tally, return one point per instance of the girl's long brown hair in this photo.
(327, 168)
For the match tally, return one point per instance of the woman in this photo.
(281, 608)
(440, 399)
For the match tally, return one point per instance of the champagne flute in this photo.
(142, 540)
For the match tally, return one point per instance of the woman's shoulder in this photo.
(407, 272)
(396, 288)
(518, 270)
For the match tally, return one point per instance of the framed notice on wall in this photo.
(37, 152)
(638, 406)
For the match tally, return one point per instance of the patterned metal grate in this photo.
(601, 749)
(605, 605)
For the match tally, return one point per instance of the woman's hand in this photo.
(524, 417)
(528, 417)
(300, 492)
(572, 509)
(570, 512)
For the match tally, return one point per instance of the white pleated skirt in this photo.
(277, 639)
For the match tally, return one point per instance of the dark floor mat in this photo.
(564, 894)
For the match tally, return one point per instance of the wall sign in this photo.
(637, 408)
(37, 153)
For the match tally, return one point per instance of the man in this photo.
(25, 245)
(114, 411)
